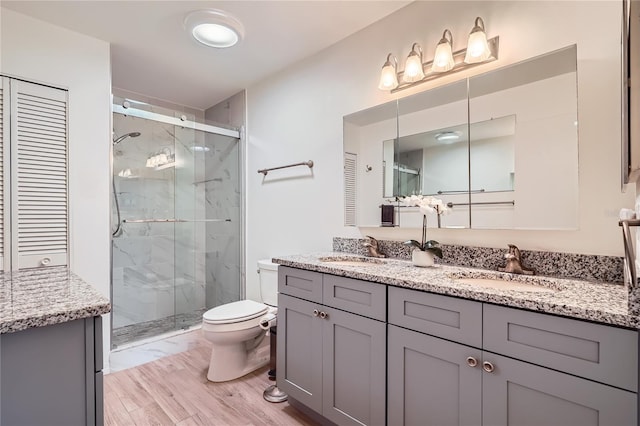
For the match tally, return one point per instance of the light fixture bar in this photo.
(459, 65)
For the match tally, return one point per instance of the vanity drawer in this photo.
(364, 298)
(453, 319)
(593, 351)
(300, 283)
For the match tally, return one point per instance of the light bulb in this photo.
(413, 66)
(477, 47)
(443, 59)
(388, 76)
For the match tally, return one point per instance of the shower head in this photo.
(123, 137)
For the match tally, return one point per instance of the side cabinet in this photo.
(330, 360)
(52, 375)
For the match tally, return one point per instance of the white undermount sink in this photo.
(528, 283)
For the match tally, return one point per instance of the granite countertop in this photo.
(41, 297)
(600, 302)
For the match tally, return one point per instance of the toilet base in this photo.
(229, 362)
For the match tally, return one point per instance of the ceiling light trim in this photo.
(214, 28)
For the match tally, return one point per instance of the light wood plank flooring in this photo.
(175, 391)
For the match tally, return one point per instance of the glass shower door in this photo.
(179, 249)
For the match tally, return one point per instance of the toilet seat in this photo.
(234, 312)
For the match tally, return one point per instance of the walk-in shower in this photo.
(176, 216)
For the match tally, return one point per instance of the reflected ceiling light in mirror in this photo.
(478, 51)
(199, 148)
(413, 65)
(443, 60)
(389, 76)
(477, 47)
(214, 28)
(447, 137)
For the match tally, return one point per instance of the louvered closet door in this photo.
(39, 226)
(5, 208)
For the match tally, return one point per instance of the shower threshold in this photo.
(148, 329)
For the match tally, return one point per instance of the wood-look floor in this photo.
(175, 391)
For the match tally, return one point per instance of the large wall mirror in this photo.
(500, 148)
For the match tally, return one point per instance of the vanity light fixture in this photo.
(214, 28)
(477, 47)
(413, 65)
(161, 160)
(479, 50)
(389, 76)
(443, 60)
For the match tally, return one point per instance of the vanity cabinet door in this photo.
(432, 381)
(299, 360)
(519, 393)
(354, 356)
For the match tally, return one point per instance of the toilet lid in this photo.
(235, 312)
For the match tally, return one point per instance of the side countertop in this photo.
(41, 297)
(600, 302)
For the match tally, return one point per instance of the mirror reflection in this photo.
(500, 148)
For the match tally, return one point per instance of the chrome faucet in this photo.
(514, 262)
(374, 248)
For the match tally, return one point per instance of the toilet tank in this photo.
(268, 272)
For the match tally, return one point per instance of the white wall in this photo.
(297, 115)
(38, 51)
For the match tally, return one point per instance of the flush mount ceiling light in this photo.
(214, 28)
(478, 51)
(447, 137)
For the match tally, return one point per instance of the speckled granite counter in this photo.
(41, 297)
(594, 301)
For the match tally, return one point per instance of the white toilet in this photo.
(239, 343)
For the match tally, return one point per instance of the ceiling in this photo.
(152, 54)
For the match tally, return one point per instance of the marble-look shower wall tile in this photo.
(567, 265)
(223, 201)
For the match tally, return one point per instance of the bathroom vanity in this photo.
(365, 341)
(50, 349)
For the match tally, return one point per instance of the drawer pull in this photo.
(45, 261)
(315, 312)
(323, 315)
(488, 367)
(471, 361)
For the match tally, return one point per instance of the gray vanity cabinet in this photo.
(299, 357)
(52, 375)
(330, 360)
(430, 382)
(519, 393)
(514, 371)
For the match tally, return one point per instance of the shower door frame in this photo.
(237, 133)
